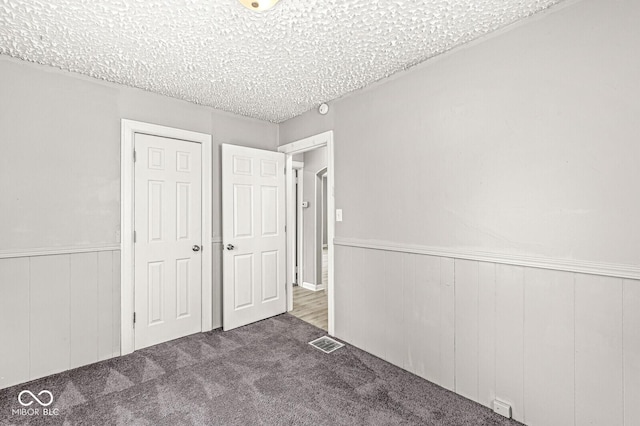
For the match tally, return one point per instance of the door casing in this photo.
(298, 166)
(129, 128)
(298, 147)
(322, 208)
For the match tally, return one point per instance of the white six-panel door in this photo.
(168, 246)
(253, 231)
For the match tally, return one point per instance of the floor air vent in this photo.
(326, 344)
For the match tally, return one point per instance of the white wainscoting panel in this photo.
(447, 324)
(358, 311)
(631, 340)
(548, 347)
(342, 292)
(510, 337)
(413, 324)
(486, 333)
(58, 311)
(394, 333)
(425, 305)
(374, 330)
(49, 313)
(83, 313)
(467, 328)
(413, 333)
(106, 311)
(14, 321)
(116, 304)
(562, 347)
(598, 362)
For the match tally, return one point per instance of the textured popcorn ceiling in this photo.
(272, 65)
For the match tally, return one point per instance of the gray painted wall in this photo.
(520, 144)
(314, 161)
(60, 192)
(60, 152)
(525, 144)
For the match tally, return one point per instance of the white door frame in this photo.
(299, 166)
(317, 235)
(129, 128)
(297, 147)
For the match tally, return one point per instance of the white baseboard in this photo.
(313, 287)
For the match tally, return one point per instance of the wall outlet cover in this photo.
(338, 215)
(502, 408)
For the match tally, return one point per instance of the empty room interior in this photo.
(438, 195)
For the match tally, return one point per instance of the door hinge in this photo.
(134, 320)
(135, 157)
(134, 236)
(285, 229)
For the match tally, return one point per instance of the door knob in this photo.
(230, 247)
(195, 248)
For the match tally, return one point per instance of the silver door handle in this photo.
(195, 248)
(230, 246)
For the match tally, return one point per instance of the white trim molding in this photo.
(312, 287)
(297, 147)
(307, 144)
(567, 265)
(298, 166)
(52, 251)
(127, 142)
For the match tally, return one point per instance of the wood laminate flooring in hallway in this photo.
(311, 306)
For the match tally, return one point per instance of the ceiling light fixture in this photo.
(259, 5)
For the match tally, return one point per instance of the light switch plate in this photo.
(338, 215)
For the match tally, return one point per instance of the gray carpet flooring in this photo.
(262, 374)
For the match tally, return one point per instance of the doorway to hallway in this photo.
(310, 301)
(311, 214)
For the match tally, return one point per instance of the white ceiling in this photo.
(272, 65)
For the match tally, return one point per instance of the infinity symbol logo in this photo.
(35, 397)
